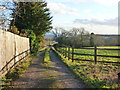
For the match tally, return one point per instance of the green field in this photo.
(100, 75)
(99, 52)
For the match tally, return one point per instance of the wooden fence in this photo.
(9, 66)
(65, 51)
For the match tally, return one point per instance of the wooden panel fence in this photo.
(12, 63)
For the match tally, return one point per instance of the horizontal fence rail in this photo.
(98, 55)
(99, 48)
(8, 65)
(66, 52)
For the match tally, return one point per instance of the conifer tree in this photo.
(33, 16)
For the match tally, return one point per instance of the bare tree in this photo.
(57, 31)
(76, 37)
(80, 37)
(6, 9)
(8, 12)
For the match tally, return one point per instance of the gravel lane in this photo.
(56, 75)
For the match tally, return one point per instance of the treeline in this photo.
(29, 19)
(107, 40)
(79, 37)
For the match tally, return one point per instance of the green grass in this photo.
(99, 52)
(41, 49)
(47, 59)
(15, 73)
(100, 75)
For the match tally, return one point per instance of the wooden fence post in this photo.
(68, 53)
(6, 66)
(65, 51)
(14, 61)
(72, 54)
(56, 48)
(61, 50)
(95, 54)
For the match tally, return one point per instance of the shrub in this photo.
(14, 30)
(23, 35)
(34, 41)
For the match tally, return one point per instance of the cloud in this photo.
(106, 2)
(99, 22)
(59, 8)
(64, 1)
(97, 29)
(103, 2)
(75, 1)
(87, 10)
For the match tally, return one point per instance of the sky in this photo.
(98, 16)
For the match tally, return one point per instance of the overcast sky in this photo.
(98, 16)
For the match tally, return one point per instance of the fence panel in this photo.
(11, 45)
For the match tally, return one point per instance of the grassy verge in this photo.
(11, 76)
(47, 59)
(41, 49)
(94, 76)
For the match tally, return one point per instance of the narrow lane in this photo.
(65, 78)
(56, 75)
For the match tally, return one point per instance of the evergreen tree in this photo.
(33, 16)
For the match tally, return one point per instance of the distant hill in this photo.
(49, 35)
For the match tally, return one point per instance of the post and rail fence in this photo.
(65, 51)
